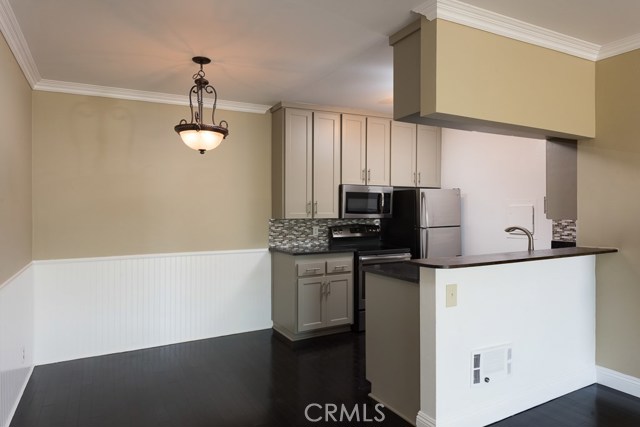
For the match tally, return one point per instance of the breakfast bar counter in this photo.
(479, 338)
(509, 257)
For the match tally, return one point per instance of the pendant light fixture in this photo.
(197, 134)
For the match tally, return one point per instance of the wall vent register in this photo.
(490, 365)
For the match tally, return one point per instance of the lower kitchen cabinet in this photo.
(323, 302)
(312, 295)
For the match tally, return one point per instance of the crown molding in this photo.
(17, 43)
(140, 95)
(482, 19)
(618, 47)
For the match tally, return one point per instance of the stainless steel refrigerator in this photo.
(426, 220)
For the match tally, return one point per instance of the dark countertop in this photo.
(508, 257)
(398, 270)
(313, 250)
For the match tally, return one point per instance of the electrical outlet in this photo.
(315, 231)
(23, 354)
(452, 295)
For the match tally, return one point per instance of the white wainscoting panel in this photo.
(16, 340)
(95, 306)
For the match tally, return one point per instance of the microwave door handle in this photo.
(381, 210)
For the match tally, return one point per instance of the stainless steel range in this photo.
(365, 240)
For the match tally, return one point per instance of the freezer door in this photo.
(440, 242)
(439, 208)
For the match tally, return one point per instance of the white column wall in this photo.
(544, 310)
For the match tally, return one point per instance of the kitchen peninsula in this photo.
(467, 341)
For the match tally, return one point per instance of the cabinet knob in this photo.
(308, 208)
(369, 175)
(419, 178)
(315, 207)
(414, 179)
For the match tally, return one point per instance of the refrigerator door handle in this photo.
(424, 212)
(424, 242)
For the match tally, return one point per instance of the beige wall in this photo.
(15, 166)
(609, 209)
(475, 80)
(111, 177)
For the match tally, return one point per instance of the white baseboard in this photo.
(618, 381)
(424, 420)
(604, 376)
(513, 404)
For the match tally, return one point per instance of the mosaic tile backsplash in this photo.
(298, 233)
(564, 230)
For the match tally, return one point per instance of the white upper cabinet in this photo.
(415, 155)
(354, 149)
(326, 164)
(305, 164)
(366, 150)
(378, 151)
(403, 154)
(298, 163)
(429, 146)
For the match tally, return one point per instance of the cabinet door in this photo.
(339, 300)
(354, 134)
(428, 156)
(326, 164)
(403, 154)
(298, 163)
(378, 151)
(310, 303)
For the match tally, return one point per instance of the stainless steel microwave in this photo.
(365, 201)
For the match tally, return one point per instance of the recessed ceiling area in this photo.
(331, 52)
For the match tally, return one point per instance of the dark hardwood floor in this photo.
(253, 379)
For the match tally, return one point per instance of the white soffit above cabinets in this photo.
(477, 14)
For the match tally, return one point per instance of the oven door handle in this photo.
(399, 257)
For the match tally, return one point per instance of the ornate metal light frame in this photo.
(196, 134)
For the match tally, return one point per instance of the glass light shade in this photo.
(201, 140)
(196, 134)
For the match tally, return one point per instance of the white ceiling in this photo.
(331, 52)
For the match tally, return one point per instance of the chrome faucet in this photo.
(525, 231)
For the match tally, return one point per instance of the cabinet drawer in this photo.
(310, 268)
(342, 265)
